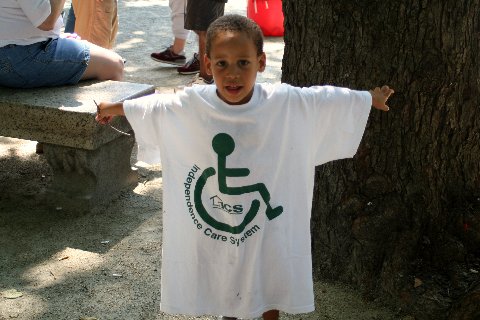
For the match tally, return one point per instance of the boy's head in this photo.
(235, 23)
(234, 55)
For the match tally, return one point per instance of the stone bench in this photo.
(90, 162)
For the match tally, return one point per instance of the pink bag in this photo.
(268, 15)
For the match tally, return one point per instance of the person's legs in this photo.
(113, 23)
(104, 64)
(97, 21)
(175, 53)
(57, 62)
(202, 43)
(198, 17)
(177, 16)
(201, 13)
(54, 62)
(70, 20)
(178, 45)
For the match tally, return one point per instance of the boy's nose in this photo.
(233, 72)
(232, 76)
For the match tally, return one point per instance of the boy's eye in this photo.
(243, 63)
(221, 64)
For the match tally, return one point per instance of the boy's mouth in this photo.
(233, 88)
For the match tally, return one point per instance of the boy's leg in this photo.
(271, 315)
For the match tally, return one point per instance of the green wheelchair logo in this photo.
(224, 145)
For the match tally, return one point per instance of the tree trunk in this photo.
(402, 219)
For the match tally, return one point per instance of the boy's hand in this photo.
(102, 116)
(106, 111)
(380, 97)
(103, 119)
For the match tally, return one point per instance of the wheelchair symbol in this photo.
(224, 145)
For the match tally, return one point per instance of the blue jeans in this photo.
(54, 62)
(70, 21)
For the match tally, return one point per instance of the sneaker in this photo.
(168, 56)
(191, 67)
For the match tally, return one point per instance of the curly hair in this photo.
(235, 23)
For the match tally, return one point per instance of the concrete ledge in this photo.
(90, 162)
(65, 115)
(85, 178)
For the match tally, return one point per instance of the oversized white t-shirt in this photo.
(238, 185)
(19, 20)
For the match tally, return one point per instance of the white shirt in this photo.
(219, 255)
(19, 20)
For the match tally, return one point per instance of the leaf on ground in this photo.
(12, 294)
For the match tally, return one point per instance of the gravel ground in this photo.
(106, 264)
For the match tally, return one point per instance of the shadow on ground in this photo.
(70, 265)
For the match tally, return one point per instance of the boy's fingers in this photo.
(383, 107)
(385, 88)
(99, 120)
(382, 94)
(387, 91)
(103, 120)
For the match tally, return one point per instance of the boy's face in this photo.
(234, 64)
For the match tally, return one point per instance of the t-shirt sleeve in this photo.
(340, 118)
(144, 115)
(36, 11)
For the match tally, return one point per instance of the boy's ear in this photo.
(208, 64)
(262, 62)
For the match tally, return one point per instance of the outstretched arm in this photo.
(380, 97)
(107, 110)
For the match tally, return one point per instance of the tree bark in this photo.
(402, 219)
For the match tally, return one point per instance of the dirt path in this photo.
(106, 264)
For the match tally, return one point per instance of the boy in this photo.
(238, 167)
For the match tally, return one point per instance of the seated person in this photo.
(34, 54)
